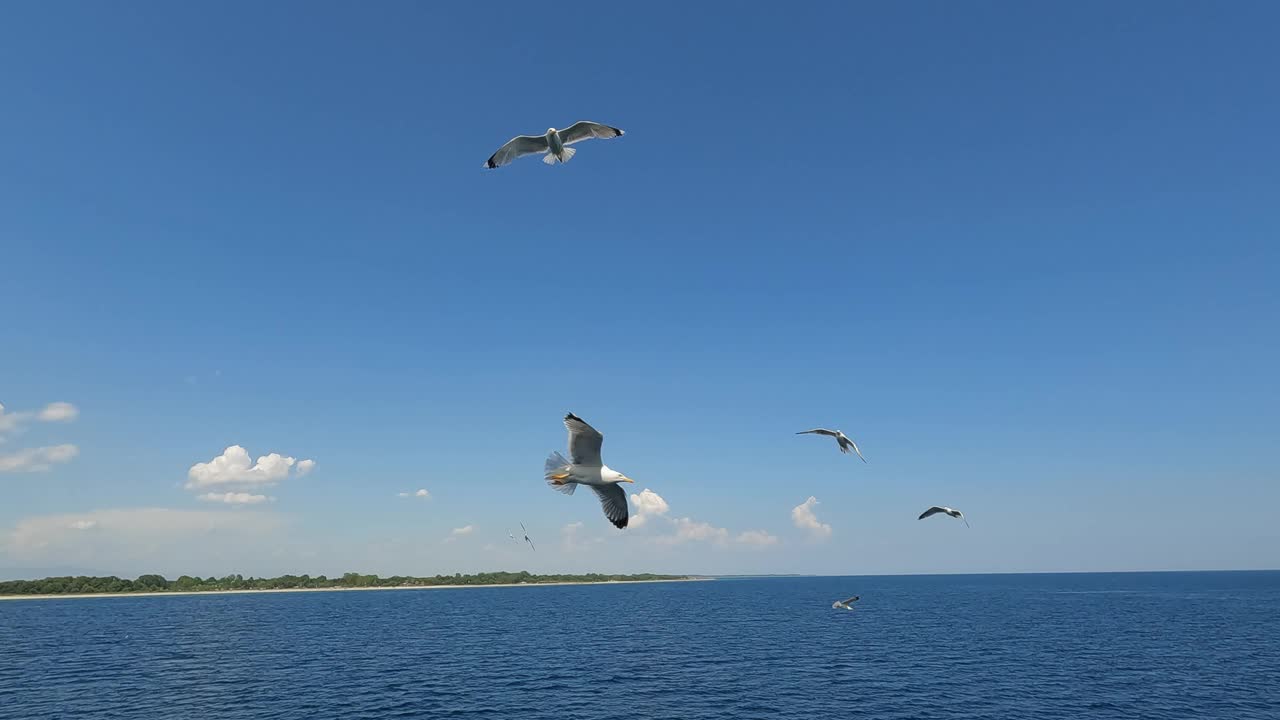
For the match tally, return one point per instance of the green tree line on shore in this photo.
(186, 583)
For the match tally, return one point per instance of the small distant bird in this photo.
(526, 537)
(841, 438)
(555, 143)
(584, 467)
(844, 604)
(939, 509)
(513, 537)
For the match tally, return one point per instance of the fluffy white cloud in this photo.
(58, 412)
(234, 498)
(421, 493)
(84, 524)
(37, 459)
(233, 468)
(648, 504)
(305, 466)
(803, 517)
(756, 538)
(464, 530)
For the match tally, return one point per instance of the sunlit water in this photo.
(1168, 645)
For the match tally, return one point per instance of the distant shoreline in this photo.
(163, 593)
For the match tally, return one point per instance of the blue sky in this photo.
(1024, 254)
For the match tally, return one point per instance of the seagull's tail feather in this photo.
(557, 471)
(565, 156)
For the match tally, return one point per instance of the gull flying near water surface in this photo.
(843, 440)
(939, 509)
(844, 604)
(584, 467)
(555, 144)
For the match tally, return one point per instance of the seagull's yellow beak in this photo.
(626, 479)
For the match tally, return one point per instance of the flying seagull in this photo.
(841, 438)
(526, 537)
(555, 144)
(844, 604)
(949, 511)
(584, 467)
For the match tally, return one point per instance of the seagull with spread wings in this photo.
(842, 439)
(844, 604)
(526, 537)
(584, 467)
(946, 510)
(554, 146)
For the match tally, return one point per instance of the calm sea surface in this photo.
(1162, 645)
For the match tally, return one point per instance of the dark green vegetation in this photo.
(186, 583)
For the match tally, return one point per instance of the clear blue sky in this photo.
(1025, 254)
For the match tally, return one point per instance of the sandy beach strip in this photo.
(78, 596)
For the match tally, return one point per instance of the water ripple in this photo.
(1172, 645)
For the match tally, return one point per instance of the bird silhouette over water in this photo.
(845, 604)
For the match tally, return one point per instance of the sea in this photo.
(1178, 645)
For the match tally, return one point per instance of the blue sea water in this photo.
(1143, 645)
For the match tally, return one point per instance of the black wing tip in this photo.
(620, 131)
(490, 163)
(620, 524)
(571, 416)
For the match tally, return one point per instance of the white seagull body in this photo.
(554, 145)
(584, 467)
(844, 604)
(842, 439)
(945, 510)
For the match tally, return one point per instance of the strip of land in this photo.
(343, 588)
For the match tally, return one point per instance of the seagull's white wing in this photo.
(820, 431)
(854, 445)
(584, 443)
(517, 147)
(931, 511)
(614, 501)
(585, 130)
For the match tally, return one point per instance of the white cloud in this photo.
(53, 412)
(690, 529)
(59, 412)
(38, 459)
(8, 420)
(803, 517)
(456, 533)
(420, 493)
(306, 466)
(134, 540)
(756, 538)
(232, 468)
(234, 498)
(572, 540)
(648, 504)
